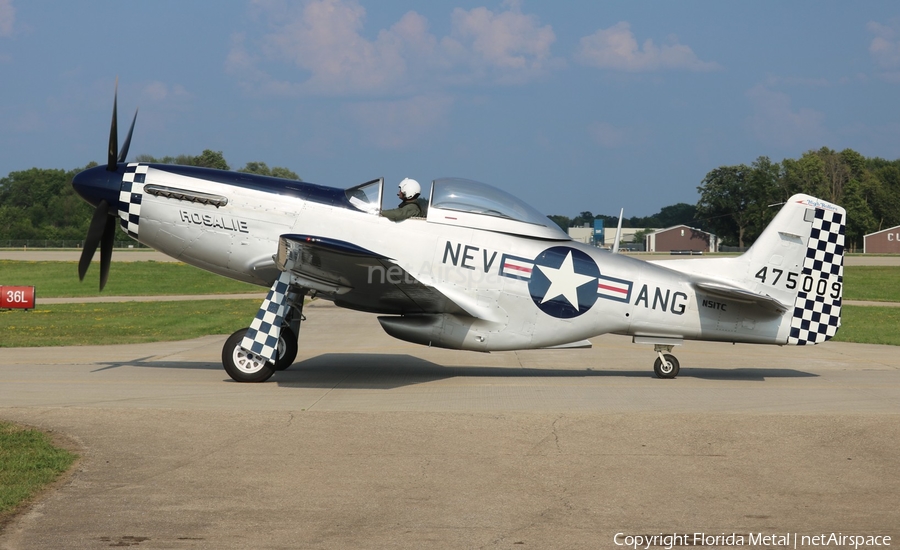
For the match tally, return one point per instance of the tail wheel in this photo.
(242, 365)
(667, 369)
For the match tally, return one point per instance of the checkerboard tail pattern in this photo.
(817, 308)
(131, 194)
(262, 337)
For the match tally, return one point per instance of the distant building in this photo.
(627, 235)
(681, 238)
(587, 235)
(886, 241)
(582, 234)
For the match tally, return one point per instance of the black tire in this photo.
(242, 365)
(287, 348)
(669, 370)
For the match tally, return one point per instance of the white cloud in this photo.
(7, 17)
(885, 47)
(324, 40)
(616, 48)
(775, 122)
(508, 41)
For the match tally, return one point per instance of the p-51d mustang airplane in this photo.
(481, 271)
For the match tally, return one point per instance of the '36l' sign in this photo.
(17, 297)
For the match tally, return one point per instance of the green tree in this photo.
(561, 221)
(41, 204)
(677, 214)
(726, 201)
(860, 219)
(263, 169)
(764, 184)
(207, 159)
(212, 159)
(585, 217)
(885, 194)
(804, 175)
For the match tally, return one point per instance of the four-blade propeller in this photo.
(102, 230)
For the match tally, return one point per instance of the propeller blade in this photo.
(124, 152)
(106, 248)
(113, 134)
(95, 232)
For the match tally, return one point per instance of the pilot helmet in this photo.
(409, 189)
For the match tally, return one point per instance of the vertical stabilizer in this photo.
(817, 307)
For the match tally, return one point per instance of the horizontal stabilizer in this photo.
(741, 295)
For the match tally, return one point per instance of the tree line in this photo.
(738, 202)
(40, 204)
(676, 214)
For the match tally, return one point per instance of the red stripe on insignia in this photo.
(517, 268)
(612, 288)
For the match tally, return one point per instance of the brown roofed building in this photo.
(682, 238)
(886, 241)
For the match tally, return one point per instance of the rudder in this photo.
(817, 306)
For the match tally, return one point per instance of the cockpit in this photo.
(467, 203)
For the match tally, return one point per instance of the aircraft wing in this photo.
(741, 295)
(358, 278)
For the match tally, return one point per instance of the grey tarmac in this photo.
(368, 442)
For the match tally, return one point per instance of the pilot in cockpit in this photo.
(411, 206)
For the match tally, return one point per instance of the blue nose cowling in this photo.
(97, 184)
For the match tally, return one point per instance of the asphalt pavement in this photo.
(368, 442)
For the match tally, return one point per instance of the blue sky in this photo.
(570, 105)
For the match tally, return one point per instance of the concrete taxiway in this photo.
(368, 442)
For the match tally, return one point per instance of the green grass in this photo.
(869, 325)
(60, 279)
(28, 462)
(123, 323)
(134, 322)
(873, 283)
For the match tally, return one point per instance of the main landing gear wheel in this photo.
(245, 366)
(667, 369)
(287, 348)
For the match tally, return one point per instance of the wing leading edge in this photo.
(357, 278)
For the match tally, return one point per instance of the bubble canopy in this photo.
(494, 208)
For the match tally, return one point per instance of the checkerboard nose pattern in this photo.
(817, 308)
(130, 195)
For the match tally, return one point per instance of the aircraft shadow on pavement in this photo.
(143, 362)
(387, 371)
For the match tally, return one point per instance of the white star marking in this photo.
(564, 281)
